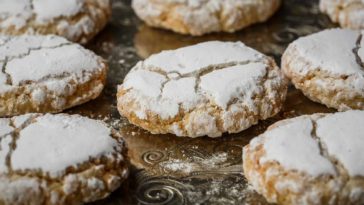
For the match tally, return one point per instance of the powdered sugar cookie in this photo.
(198, 17)
(328, 68)
(348, 13)
(311, 160)
(59, 159)
(47, 74)
(205, 89)
(77, 20)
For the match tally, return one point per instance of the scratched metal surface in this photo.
(171, 170)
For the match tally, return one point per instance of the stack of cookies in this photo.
(206, 89)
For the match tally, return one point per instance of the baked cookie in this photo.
(198, 17)
(47, 74)
(59, 159)
(313, 159)
(348, 13)
(205, 89)
(77, 20)
(328, 68)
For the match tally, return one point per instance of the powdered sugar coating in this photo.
(304, 152)
(331, 50)
(176, 84)
(48, 10)
(77, 20)
(5, 127)
(344, 140)
(61, 139)
(56, 62)
(60, 158)
(327, 66)
(198, 17)
(194, 58)
(340, 134)
(51, 69)
(312, 159)
(224, 85)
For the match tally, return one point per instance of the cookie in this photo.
(205, 89)
(77, 20)
(198, 17)
(59, 159)
(47, 74)
(348, 13)
(328, 68)
(313, 159)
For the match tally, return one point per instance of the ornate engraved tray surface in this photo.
(171, 170)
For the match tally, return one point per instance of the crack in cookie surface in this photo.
(68, 76)
(20, 56)
(15, 136)
(3, 70)
(93, 178)
(188, 93)
(356, 51)
(285, 178)
(328, 68)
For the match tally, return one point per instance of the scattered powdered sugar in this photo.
(178, 165)
(219, 189)
(195, 163)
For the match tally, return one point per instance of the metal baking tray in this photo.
(170, 170)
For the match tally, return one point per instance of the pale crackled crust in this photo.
(80, 88)
(19, 101)
(207, 118)
(348, 13)
(81, 27)
(206, 16)
(320, 86)
(92, 180)
(288, 187)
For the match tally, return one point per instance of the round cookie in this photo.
(59, 159)
(328, 68)
(198, 17)
(348, 13)
(313, 159)
(205, 89)
(47, 74)
(77, 20)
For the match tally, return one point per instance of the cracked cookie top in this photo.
(59, 159)
(18, 12)
(316, 144)
(28, 60)
(185, 77)
(180, 85)
(48, 143)
(336, 51)
(77, 20)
